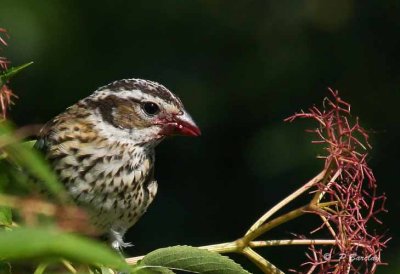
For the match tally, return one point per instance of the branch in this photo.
(287, 200)
(261, 262)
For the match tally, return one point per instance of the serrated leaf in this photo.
(152, 270)
(34, 243)
(5, 216)
(191, 259)
(6, 75)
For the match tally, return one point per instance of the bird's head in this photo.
(141, 111)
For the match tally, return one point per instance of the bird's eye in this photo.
(150, 108)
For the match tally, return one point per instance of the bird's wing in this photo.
(43, 142)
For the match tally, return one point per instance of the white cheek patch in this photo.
(124, 135)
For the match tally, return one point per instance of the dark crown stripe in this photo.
(148, 87)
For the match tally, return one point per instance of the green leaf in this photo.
(29, 144)
(34, 243)
(6, 75)
(190, 259)
(29, 160)
(152, 270)
(5, 216)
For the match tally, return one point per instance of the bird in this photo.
(102, 150)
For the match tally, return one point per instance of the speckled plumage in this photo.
(102, 149)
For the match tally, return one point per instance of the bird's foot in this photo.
(117, 241)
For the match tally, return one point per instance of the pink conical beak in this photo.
(186, 126)
(180, 124)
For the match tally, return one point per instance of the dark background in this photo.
(240, 68)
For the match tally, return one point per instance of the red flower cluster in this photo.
(350, 190)
(6, 93)
(3, 61)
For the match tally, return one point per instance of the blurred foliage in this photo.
(5, 217)
(23, 156)
(240, 68)
(25, 244)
